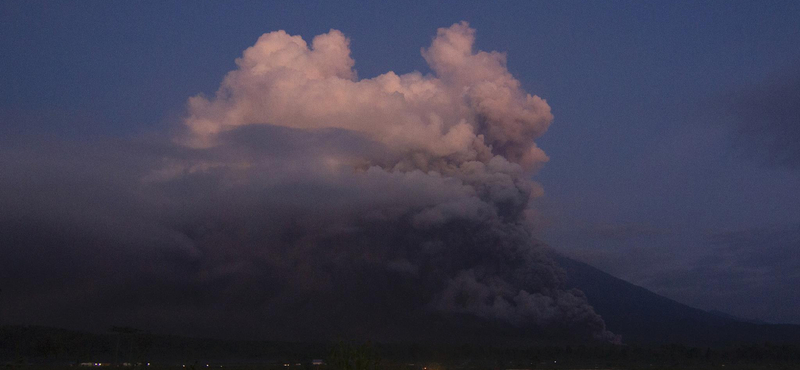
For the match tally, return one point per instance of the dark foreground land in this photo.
(439, 366)
(37, 348)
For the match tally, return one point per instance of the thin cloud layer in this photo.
(302, 200)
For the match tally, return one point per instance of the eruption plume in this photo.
(302, 199)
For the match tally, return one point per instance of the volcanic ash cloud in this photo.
(400, 187)
(301, 200)
(472, 110)
(428, 191)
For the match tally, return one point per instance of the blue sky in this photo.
(668, 114)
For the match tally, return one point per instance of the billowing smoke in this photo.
(472, 111)
(301, 199)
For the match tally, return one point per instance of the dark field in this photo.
(436, 366)
(37, 348)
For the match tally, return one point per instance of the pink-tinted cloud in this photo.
(471, 108)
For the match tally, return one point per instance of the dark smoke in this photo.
(301, 203)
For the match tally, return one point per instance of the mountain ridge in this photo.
(641, 316)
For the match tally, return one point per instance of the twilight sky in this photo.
(673, 149)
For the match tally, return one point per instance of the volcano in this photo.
(640, 316)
